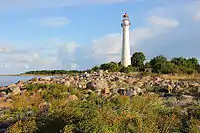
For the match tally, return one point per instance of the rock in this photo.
(45, 79)
(43, 107)
(86, 75)
(35, 79)
(23, 91)
(100, 73)
(130, 93)
(170, 88)
(16, 90)
(3, 93)
(20, 82)
(184, 113)
(98, 91)
(67, 83)
(97, 84)
(71, 78)
(54, 80)
(167, 95)
(106, 91)
(113, 85)
(178, 90)
(3, 98)
(186, 97)
(9, 100)
(4, 126)
(138, 90)
(62, 80)
(72, 98)
(164, 90)
(3, 88)
(11, 85)
(130, 81)
(157, 79)
(121, 91)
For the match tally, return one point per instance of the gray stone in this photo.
(130, 93)
(11, 85)
(35, 79)
(67, 83)
(3, 93)
(72, 98)
(121, 91)
(138, 90)
(97, 84)
(16, 90)
(3, 88)
(106, 91)
(45, 79)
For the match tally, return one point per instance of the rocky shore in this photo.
(106, 83)
(175, 93)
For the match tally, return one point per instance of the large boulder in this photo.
(97, 84)
(67, 83)
(35, 79)
(45, 79)
(3, 88)
(72, 98)
(16, 90)
(11, 85)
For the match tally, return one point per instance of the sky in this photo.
(79, 34)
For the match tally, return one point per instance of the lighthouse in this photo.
(126, 58)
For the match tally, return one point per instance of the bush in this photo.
(127, 69)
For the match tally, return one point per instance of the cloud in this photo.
(66, 55)
(69, 47)
(163, 21)
(6, 49)
(30, 4)
(53, 22)
(197, 16)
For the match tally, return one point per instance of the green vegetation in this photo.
(120, 114)
(137, 60)
(53, 72)
(158, 64)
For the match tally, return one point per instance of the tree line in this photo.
(159, 64)
(53, 72)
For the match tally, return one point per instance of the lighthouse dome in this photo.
(125, 15)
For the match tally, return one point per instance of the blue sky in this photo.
(78, 34)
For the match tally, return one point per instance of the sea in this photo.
(7, 80)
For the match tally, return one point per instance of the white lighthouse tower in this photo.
(126, 58)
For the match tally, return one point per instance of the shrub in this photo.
(145, 113)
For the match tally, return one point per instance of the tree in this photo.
(158, 63)
(192, 62)
(137, 60)
(180, 61)
(128, 69)
(95, 68)
(186, 65)
(111, 67)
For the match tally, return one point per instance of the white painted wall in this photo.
(126, 57)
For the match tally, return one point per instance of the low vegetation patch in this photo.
(47, 109)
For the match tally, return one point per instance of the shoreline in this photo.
(32, 75)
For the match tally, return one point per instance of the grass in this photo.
(121, 114)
